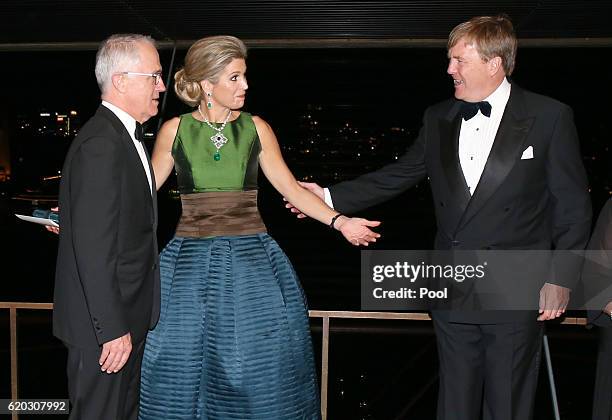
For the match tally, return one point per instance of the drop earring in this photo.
(208, 102)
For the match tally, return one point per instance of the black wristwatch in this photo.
(331, 225)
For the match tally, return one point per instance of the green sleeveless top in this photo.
(193, 152)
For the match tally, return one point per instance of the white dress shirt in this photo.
(130, 126)
(477, 135)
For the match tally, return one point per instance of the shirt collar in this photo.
(499, 98)
(128, 121)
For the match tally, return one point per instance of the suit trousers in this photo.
(99, 395)
(488, 369)
(602, 397)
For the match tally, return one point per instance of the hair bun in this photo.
(188, 91)
(179, 76)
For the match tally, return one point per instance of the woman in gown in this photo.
(233, 339)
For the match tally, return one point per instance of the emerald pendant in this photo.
(217, 156)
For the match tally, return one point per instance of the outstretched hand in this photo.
(357, 230)
(314, 188)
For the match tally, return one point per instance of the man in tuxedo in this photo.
(505, 172)
(107, 277)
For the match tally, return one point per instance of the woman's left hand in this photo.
(357, 230)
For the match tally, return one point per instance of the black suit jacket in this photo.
(107, 275)
(597, 272)
(540, 203)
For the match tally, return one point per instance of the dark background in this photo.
(368, 104)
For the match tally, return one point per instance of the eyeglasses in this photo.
(157, 76)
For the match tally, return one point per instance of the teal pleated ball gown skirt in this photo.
(233, 339)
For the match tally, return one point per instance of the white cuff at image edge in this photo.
(328, 199)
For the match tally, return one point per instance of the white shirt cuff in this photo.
(328, 199)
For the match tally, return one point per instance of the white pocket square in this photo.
(527, 153)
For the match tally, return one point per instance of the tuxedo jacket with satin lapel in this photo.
(107, 275)
(597, 270)
(540, 203)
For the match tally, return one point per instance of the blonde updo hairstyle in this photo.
(206, 59)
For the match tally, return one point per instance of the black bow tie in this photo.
(469, 109)
(138, 132)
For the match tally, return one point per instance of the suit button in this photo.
(456, 243)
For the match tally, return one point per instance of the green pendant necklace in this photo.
(217, 139)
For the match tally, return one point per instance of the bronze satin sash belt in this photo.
(220, 214)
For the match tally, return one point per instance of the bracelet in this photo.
(331, 225)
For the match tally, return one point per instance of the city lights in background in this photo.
(326, 147)
(63, 124)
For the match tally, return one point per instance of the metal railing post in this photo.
(551, 378)
(14, 375)
(324, 367)
(13, 307)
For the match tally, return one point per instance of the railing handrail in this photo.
(26, 305)
(313, 313)
(411, 316)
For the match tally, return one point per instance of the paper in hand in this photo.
(39, 220)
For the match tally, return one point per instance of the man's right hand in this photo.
(115, 353)
(314, 188)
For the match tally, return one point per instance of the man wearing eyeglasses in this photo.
(107, 276)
